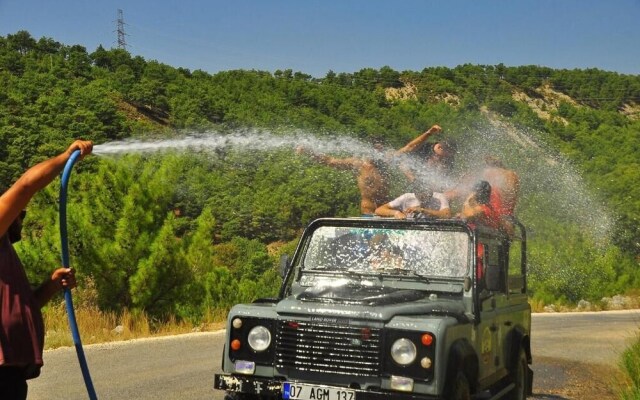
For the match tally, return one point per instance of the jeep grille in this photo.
(315, 347)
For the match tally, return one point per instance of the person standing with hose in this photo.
(21, 324)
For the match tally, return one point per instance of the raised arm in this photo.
(16, 198)
(340, 163)
(417, 142)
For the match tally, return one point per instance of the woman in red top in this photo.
(483, 206)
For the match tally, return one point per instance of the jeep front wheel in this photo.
(459, 389)
(518, 376)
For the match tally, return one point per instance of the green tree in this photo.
(160, 280)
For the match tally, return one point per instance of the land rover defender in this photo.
(378, 308)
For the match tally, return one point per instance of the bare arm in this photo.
(340, 163)
(16, 198)
(386, 210)
(417, 142)
(471, 211)
(444, 213)
(412, 146)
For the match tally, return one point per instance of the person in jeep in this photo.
(423, 202)
(485, 206)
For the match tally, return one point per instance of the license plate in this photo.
(302, 391)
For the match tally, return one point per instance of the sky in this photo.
(316, 36)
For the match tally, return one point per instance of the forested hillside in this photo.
(183, 233)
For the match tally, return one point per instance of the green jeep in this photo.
(377, 308)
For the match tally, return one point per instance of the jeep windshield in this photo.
(352, 252)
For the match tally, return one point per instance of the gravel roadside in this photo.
(570, 380)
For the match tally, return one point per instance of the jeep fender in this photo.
(517, 339)
(462, 357)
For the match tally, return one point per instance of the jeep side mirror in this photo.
(285, 264)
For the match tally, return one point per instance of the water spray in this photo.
(545, 174)
(73, 325)
(258, 140)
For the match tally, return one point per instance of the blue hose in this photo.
(65, 263)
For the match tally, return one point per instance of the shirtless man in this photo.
(505, 181)
(372, 182)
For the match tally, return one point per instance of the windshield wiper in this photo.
(404, 272)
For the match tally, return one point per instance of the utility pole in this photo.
(122, 44)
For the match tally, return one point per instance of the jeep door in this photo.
(512, 307)
(486, 337)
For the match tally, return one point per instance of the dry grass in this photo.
(96, 326)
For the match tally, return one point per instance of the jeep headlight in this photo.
(403, 351)
(259, 338)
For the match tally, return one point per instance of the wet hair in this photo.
(449, 147)
(482, 190)
(423, 193)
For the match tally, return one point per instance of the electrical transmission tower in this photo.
(122, 43)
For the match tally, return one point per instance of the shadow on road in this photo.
(534, 396)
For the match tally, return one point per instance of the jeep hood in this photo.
(360, 295)
(367, 306)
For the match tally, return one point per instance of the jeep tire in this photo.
(459, 388)
(518, 376)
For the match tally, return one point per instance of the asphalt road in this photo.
(590, 337)
(182, 367)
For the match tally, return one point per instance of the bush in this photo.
(630, 365)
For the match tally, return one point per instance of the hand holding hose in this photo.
(64, 278)
(85, 147)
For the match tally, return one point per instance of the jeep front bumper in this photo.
(269, 387)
